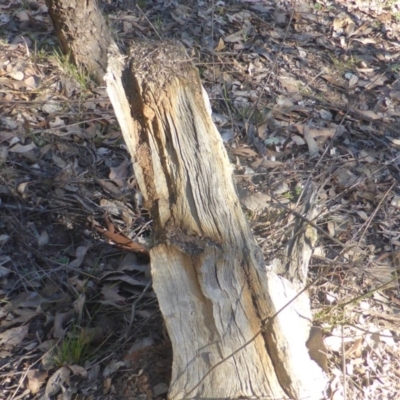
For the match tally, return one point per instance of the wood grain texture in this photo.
(209, 275)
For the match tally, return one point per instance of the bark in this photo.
(83, 34)
(219, 301)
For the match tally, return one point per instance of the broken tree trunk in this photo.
(219, 302)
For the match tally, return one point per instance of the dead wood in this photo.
(219, 300)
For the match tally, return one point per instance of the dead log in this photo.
(219, 300)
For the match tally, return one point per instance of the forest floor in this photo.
(301, 91)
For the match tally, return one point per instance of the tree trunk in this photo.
(83, 34)
(219, 301)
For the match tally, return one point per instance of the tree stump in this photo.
(219, 301)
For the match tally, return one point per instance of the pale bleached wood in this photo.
(209, 275)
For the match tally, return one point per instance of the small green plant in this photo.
(141, 3)
(39, 55)
(388, 4)
(394, 68)
(158, 23)
(70, 69)
(344, 65)
(73, 349)
(288, 195)
(248, 113)
(317, 6)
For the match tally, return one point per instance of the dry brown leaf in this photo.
(394, 140)
(371, 114)
(17, 75)
(13, 337)
(119, 174)
(36, 379)
(256, 202)
(118, 238)
(326, 132)
(56, 381)
(59, 320)
(80, 254)
(31, 82)
(79, 304)
(334, 80)
(311, 143)
(316, 347)
(220, 45)
(110, 187)
(290, 84)
(78, 370)
(107, 385)
(266, 164)
(235, 37)
(364, 30)
(22, 15)
(19, 148)
(298, 140)
(21, 316)
(112, 366)
(355, 349)
(110, 292)
(245, 152)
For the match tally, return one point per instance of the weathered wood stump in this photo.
(219, 301)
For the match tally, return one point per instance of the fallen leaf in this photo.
(118, 238)
(78, 370)
(110, 292)
(79, 304)
(80, 254)
(14, 336)
(355, 349)
(22, 15)
(107, 385)
(56, 381)
(19, 148)
(112, 366)
(311, 143)
(235, 37)
(36, 379)
(220, 46)
(17, 75)
(245, 152)
(256, 202)
(59, 320)
(371, 114)
(119, 174)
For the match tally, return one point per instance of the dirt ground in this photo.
(301, 91)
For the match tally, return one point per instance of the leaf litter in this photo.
(305, 92)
